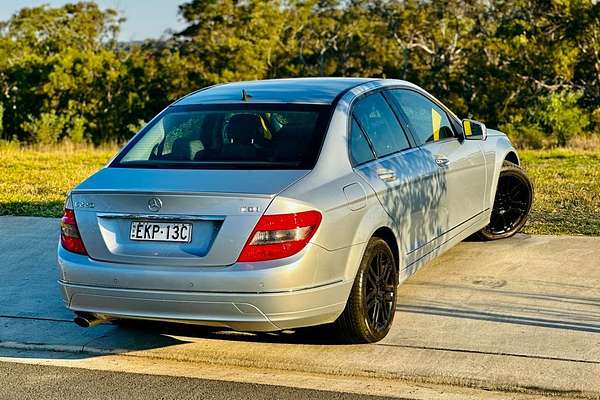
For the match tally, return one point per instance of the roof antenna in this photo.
(245, 95)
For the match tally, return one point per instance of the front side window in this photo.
(378, 121)
(230, 136)
(426, 119)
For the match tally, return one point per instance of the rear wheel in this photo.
(514, 197)
(370, 309)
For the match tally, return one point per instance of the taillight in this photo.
(280, 236)
(69, 234)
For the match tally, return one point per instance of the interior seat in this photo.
(185, 149)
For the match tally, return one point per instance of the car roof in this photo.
(292, 90)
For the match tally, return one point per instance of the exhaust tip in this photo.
(82, 322)
(87, 320)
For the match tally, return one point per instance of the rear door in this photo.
(461, 163)
(407, 184)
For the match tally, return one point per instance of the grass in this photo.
(34, 181)
(567, 191)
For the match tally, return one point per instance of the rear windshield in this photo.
(243, 136)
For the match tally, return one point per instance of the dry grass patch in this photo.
(567, 191)
(34, 181)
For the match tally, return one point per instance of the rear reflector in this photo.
(69, 234)
(279, 236)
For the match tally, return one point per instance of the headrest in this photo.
(244, 129)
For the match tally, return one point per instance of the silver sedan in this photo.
(278, 204)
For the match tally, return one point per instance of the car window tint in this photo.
(379, 122)
(230, 136)
(360, 151)
(427, 121)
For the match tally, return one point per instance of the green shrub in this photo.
(524, 134)
(560, 115)
(47, 128)
(77, 130)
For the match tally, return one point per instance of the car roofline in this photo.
(273, 100)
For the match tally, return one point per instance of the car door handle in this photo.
(386, 175)
(442, 161)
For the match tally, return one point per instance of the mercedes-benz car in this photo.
(278, 204)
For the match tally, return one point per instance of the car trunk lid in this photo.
(222, 207)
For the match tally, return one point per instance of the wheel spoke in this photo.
(519, 211)
(370, 296)
(372, 277)
(380, 265)
(516, 191)
(388, 271)
(521, 204)
(387, 308)
(504, 223)
(371, 303)
(382, 315)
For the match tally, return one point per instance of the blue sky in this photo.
(145, 18)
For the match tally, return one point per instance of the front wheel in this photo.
(370, 309)
(514, 197)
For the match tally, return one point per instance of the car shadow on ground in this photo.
(137, 336)
(552, 305)
(317, 335)
(51, 209)
(503, 318)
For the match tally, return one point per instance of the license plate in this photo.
(161, 231)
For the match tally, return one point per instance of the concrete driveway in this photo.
(518, 315)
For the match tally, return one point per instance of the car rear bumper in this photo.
(307, 290)
(239, 311)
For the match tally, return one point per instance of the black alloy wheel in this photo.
(380, 291)
(512, 204)
(371, 306)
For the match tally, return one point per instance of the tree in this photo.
(228, 40)
(561, 115)
(529, 66)
(61, 68)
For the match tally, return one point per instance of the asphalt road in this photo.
(27, 381)
(518, 315)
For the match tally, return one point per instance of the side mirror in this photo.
(474, 130)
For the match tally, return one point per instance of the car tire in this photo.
(369, 312)
(512, 204)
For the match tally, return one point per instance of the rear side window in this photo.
(425, 118)
(360, 151)
(378, 121)
(230, 136)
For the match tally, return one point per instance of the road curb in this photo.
(442, 380)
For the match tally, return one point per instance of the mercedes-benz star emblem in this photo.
(154, 204)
